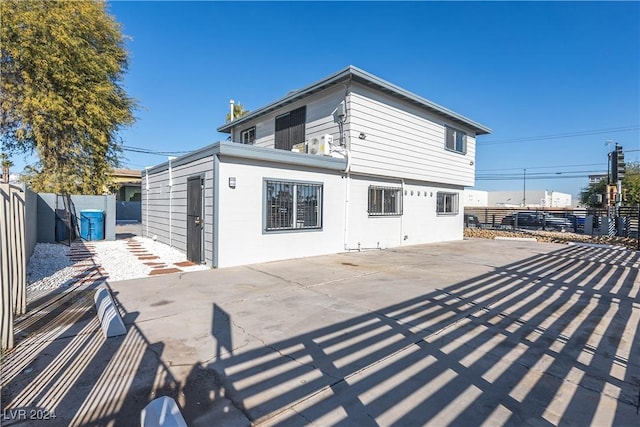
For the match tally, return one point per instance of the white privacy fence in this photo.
(13, 260)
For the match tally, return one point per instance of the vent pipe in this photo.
(231, 102)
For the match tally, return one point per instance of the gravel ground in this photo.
(552, 237)
(50, 268)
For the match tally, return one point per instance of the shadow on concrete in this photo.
(548, 340)
(63, 371)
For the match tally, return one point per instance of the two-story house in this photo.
(351, 162)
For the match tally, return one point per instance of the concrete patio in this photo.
(463, 333)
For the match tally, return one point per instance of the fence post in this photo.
(19, 262)
(6, 303)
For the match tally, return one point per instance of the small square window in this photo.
(385, 201)
(447, 203)
(455, 140)
(248, 136)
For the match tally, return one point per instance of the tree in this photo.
(630, 187)
(6, 164)
(598, 188)
(62, 65)
(631, 183)
(238, 111)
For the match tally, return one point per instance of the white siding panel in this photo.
(404, 141)
(320, 121)
(165, 202)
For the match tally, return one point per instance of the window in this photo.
(248, 136)
(385, 201)
(292, 205)
(447, 203)
(455, 140)
(290, 129)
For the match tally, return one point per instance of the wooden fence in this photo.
(13, 262)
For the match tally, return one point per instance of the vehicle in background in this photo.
(537, 220)
(471, 220)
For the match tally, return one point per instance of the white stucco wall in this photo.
(242, 239)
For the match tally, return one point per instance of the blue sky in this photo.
(523, 69)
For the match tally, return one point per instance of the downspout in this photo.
(347, 153)
(146, 169)
(170, 199)
(402, 210)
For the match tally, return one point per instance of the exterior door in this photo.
(195, 219)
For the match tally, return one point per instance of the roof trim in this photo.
(368, 79)
(251, 152)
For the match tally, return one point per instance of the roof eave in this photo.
(368, 79)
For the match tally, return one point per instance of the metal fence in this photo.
(622, 221)
(13, 262)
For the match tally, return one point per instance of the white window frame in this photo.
(447, 203)
(455, 140)
(293, 208)
(248, 136)
(380, 203)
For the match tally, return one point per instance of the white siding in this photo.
(404, 141)
(241, 236)
(165, 202)
(320, 120)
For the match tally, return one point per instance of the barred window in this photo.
(292, 205)
(385, 201)
(447, 203)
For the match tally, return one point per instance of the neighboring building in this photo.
(534, 199)
(129, 185)
(351, 162)
(594, 179)
(128, 195)
(475, 198)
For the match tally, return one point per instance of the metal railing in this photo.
(623, 221)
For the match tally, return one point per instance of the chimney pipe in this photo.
(231, 106)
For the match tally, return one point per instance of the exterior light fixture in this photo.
(232, 182)
(362, 135)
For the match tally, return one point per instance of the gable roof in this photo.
(360, 76)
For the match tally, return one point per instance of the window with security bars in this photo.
(447, 203)
(385, 201)
(292, 205)
(455, 140)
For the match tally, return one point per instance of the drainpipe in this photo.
(146, 169)
(401, 216)
(170, 158)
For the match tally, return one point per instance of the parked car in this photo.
(471, 220)
(544, 220)
(524, 219)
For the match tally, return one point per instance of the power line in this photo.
(541, 167)
(153, 152)
(560, 135)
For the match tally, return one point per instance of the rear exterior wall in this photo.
(164, 207)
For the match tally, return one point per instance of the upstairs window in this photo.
(290, 129)
(455, 140)
(385, 201)
(248, 136)
(447, 204)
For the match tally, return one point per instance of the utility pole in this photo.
(524, 188)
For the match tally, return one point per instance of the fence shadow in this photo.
(66, 372)
(546, 340)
